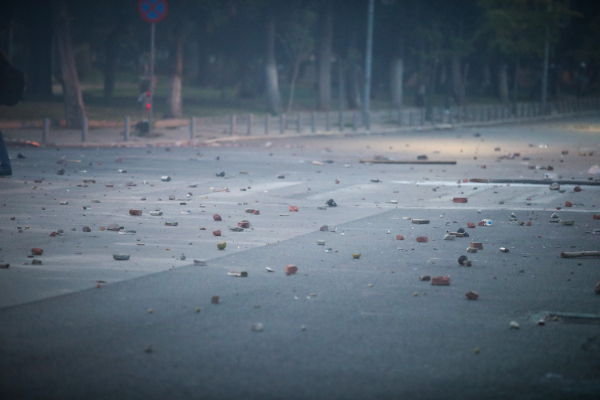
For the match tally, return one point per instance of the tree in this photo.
(74, 107)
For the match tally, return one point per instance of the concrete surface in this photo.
(340, 328)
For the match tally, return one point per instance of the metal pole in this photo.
(152, 35)
(46, 129)
(545, 75)
(127, 128)
(369, 58)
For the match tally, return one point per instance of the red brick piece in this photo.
(568, 204)
(472, 295)
(53, 234)
(217, 217)
(440, 281)
(459, 200)
(244, 224)
(135, 212)
(256, 212)
(217, 233)
(36, 251)
(422, 239)
(529, 223)
(477, 245)
(293, 208)
(596, 216)
(577, 189)
(470, 225)
(399, 237)
(481, 223)
(290, 270)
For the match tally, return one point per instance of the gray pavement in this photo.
(340, 328)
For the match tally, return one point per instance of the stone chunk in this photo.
(113, 227)
(471, 250)
(217, 217)
(422, 239)
(217, 233)
(568, 204)
(36, 262)
(470, 225)
(136, 213)
(459, 200)
(440, 281)
(449, 237)
(399, 237)
(477, 245)
(165, 178)
(290, 270)
(577, 189)
(244, 224)
(214, 300)
(425, 278)
(471, 295)
(86, 229)
(156, 213)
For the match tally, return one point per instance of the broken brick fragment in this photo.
(471, 295)
(440, 281)
(36, 251)
(293, 208)
(577, 189)
(529, 223)
(135, 212)
(596, 216)
(477, 245)
(399, 237)
(481, 223)
(53, 234)
(470, 225)
(568, 204)
(422, 239)
(217, 217)
(459, 200)
(290, 270)
(217, 233)
(244, 224)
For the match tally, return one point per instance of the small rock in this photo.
(425, 278)
(36, 262)
(577, 189)
(257, 327)
(422, 157)
(356, 256)
(244, 224)
(217, 217)
(477, 245)
(60, 171)
(112, 227)
(330, 203)
(171, 197)
(135, 212)
(214, 300)
(449, 237)
(554, 186)
(420, 221)
(504, 249)
(470, 225)
(156, 213)
(568, 204)
(290, 270)
(462, 259)
(471, 250)
(471, 295)
(165, 178)
(217, 233)
(440, 281)
(121, 257)
(86, 229)
(399, 237)
(321, 242)
(422, 239)
(514, 325)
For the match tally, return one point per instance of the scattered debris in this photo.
(217, 232)
(574, 254)
(440, 281)
(293, 209)
(217, 217)
(514, 325)
(471, 295)
(420, 221)
(422, 239)
(425, 278)
(136, 212)
(214, 300)
(330, 203)
(477, 245)
(240, 274)
(121, 257)
(165, 178)
(399, 237)
(459, 200)
(86, 229)
(36, 262)
(356, 256)
(222, 245)
(290, 270)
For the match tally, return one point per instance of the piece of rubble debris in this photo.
(63, 203)
(440, 281)
(575, 254)
(121, 257)
(171, 197)
(269, 269)
(514, 325)
(399, 237)
(257, 327)
(135, 212)
(244, 224)
(471, 250)
(470, 225)
(235, 228)
(420, 221)
(422, 157)
(554, 186)
(217, 217)
(567, 222)
(504, 249)
(222, 245)
(200, 263)
(471, 295)
(4, 266)
(321, 242)
(171, 223)
(568, 204)
(293, 209)
(449, 237)
(422, 239)
(331, 203)
(239, 274)
(113, 227)
(459, 200)
(425, 278)
(60, 171)
(86, 229)
(290, 270)
(217, 232)
(477, 245)
(356, 256)
(214, 300)
(36, 262)
(156, 213)
(577, 189)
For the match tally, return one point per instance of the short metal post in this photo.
(84, 129)
(267, 123)
(232, 122)
(126, 133)
(250, 122)
(192, 127)
(313, 122)
(46, 129)
(281, 123)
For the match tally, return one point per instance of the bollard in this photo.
(232, 122)
(84, 129)
(192, 127)
(341, 120)
(267, 123)
(281, 123)
(327, 124)
(46, 129)
(250, 123)
(313, 122)
(126, 133)
(355, 121)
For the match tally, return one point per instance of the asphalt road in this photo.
(83, 325)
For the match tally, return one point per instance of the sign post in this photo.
(152, 11)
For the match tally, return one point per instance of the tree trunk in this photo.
(397, 82)
(293, 86)
(458, 87)
(272, 81)
(39, 71)
(74, 107)
(110, 66)
(325, 45)
(175, 98)
(503, 82)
